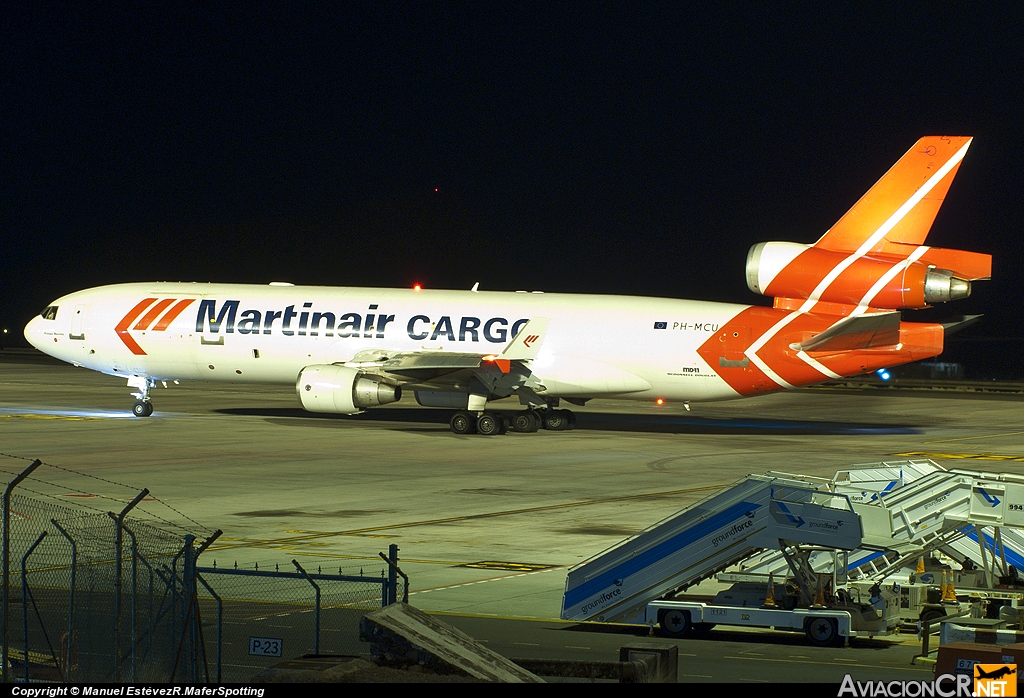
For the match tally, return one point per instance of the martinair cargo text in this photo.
(836, 313)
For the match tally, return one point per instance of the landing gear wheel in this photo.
(822, 632)
(559, 420)
(462, 423)
(675, 623)
(526, 421)
(488, 424)
(142, 408)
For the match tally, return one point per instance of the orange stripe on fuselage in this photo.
(174, 312)
(149, 317)
(122, 327)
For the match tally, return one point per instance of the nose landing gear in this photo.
(142, 407)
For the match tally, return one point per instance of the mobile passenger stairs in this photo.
(972, 518)
(833, 542)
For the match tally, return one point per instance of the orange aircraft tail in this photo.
(874, 256)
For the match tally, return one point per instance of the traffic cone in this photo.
(769, 598)
(949, 592)
(819, 598)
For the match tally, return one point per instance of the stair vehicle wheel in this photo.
(570, 418)
(488, 424)
(822, 632)
(462, 423)
(503, 425)
(675, 623)
(142, 408)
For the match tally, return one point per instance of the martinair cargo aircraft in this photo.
(836, 313)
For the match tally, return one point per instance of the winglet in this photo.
(525, 345)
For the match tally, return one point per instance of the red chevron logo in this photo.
(152, 309)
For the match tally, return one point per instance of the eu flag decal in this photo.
(661, 325)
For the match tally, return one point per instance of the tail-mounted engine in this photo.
(927, 276)
(343, 390)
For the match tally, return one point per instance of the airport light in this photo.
(883, 374)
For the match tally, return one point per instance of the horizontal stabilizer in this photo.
(526, 344)
(954, 326)
(856, 332)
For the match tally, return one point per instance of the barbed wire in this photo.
(83, 505)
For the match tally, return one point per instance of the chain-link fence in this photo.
(93, 596)
(80, 610)
(260, 616)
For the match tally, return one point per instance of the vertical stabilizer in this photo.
(895, 215)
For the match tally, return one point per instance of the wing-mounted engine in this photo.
(343, 390)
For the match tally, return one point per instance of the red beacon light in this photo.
(417, 287)
(660, 401)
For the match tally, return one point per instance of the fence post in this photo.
(220, 622)
(197, 621)
(188, 628)
(174, 595)
(71, 596)
(316, 636)
(24, 595)
(7, 563)
(135, 552)
(186, 607)
(391, 588)
(392, 577)
(119, 522)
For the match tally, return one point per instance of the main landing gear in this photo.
(526, 421)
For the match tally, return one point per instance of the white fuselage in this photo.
(595, 346)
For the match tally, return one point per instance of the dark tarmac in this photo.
(486, 526)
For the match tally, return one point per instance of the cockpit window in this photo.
(49, 313)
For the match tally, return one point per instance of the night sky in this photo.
(623, 148)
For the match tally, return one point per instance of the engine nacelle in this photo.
(792, 270)
(343, 390)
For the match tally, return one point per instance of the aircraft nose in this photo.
(33, 334)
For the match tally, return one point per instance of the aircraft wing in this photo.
(856, 332)
(428, 364)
